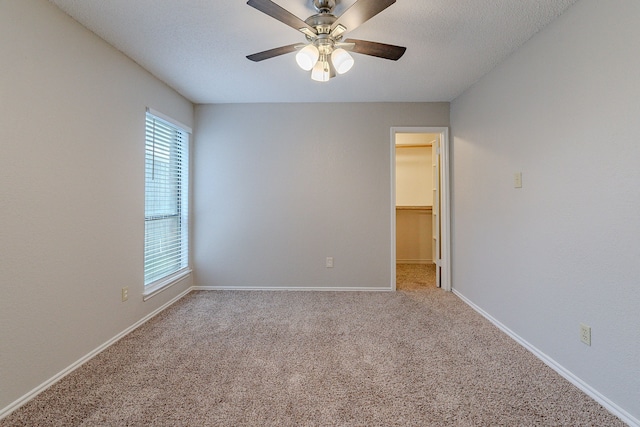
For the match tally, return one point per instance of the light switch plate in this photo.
(517, 180)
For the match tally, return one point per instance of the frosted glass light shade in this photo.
(321, 71)
(307, 57)
(342, 61)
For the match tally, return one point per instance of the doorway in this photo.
(420, 205)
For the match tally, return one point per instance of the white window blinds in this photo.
(166, 241)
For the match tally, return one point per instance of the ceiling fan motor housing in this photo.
(322, 22)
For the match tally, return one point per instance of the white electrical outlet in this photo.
(125, 294)
(585, 334)
(329, 262)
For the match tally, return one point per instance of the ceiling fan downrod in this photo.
(324, 6)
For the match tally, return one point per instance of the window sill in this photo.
(162, 284)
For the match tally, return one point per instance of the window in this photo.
(166, 203)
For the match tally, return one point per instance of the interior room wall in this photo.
(72, 112)
(280, 187)
(414, 237)
(414, 181)
(542, 259)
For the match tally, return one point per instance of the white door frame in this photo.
(445, 216)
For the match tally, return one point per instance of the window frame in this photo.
(182, 195)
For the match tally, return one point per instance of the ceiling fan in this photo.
(326, 53)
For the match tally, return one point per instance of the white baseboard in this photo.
(45, 385)
(414, 261)
(290, 288)
(565, 373)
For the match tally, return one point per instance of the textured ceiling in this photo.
(198, 47)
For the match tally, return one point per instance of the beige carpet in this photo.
(224, 358)
(414, 277)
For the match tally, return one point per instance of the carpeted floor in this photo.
(414, 277)
(229, 358)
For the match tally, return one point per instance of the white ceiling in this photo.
(199, 47)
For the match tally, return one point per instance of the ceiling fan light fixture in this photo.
(321, 71)
(342, 61)
(307, 57)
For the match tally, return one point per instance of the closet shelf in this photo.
(414, 208)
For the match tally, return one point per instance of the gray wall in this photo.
(72, 113)
(279, 187)
(565, 111)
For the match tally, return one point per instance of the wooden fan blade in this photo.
(360, 12)
(381, 50)
(261, 56)
(282, 15)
